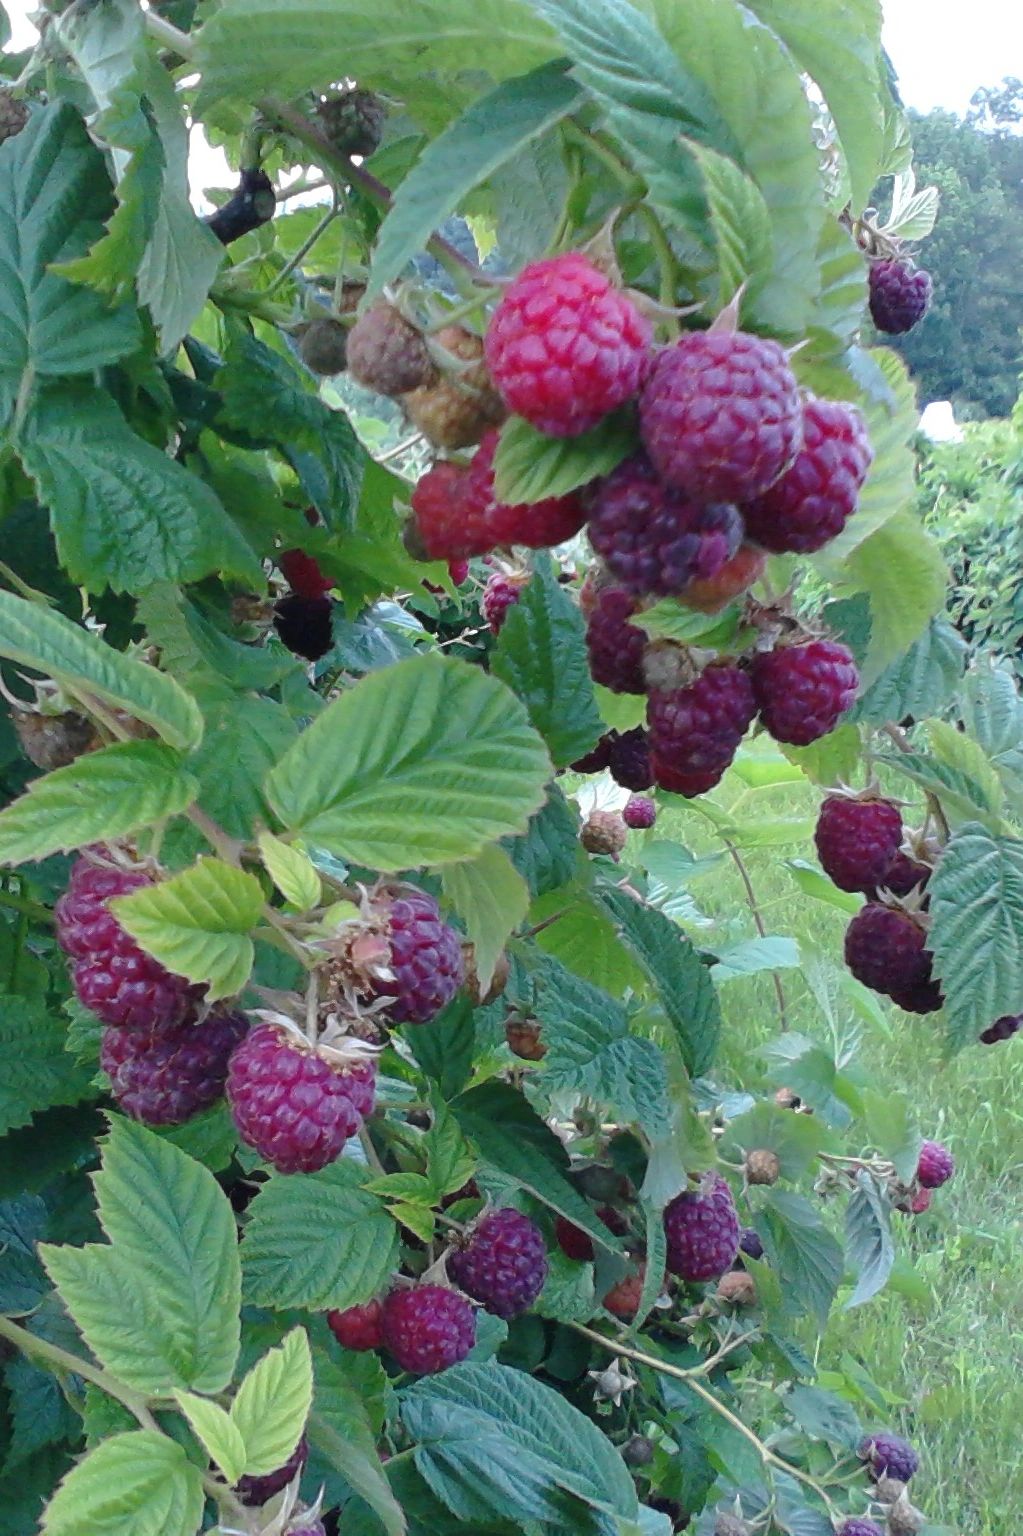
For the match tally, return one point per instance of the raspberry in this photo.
(925, 997)
(629, 759)
(712, 593)
(889, 1456)
(259, 1490)
(737, 1288)
(858, 1528)
(720, 415)
(615, 647)
(763, 1166)
(352, 120)
(638, 1451)
(458, 571)
(111, 974)
(534, 524)
(523, 1039)
(624, 1297)
(653, 538)
(905, 874)
(13, 115)
(886, 949)
(803, 690)
(920, 1202)
(936, 1165)
(597, 760)
(165, 1078)
(500, 593)
(640, 813)
(358, 1327)
(324, 347)
(809, 505)
(428, 1328)
(900, 295)
(425, 960)
(565, 347)
(603, 832)
(387, 354)
(1002, 1029)
(456, 411)
(444, 526)
(857, 841)
(573, 1241)
(302, 573)
(53, 741)
(695, 731)
(702, 1229)
(750, 1244)
(504, 1263)
(293, 1107)
(305, 625)
(317, 1528)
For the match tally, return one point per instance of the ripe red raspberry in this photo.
(597, 760)
(886, 949)
(736, 575)
(111, 974)
(302, 573)
(165, 1078)
(720, 415)
(504, 1263)
(533, 524)
(458, 570)
(695, 731)
(920, 1202)
(900, 295)
(858, 1528)
(629, 762)
(387, 354)
(615, 647)
(653, 538)
(305, 625)
(936, 1165)
(905, 874)
(428, 1328)
(640, 813)
(293, 1107)
(624, 1297)
(426, 960)
(889, 1456)
(260, 1490)
(565, 347)
(702, 1229)
(857, 841)
(1002, 1029)
(444, 526)
(802, 691)
(359, 1327)
(500, 593)
(809, 505)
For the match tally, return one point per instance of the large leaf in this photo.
(548, 852)
(541, 654)
(869, 1246)
(901, 569)
(340, 1429)
(491, 898)
(243, 738)
(272, 1404)
(963, 796)
(800, 1248)
(918, 682)
(741, 223)
(135, 1484)
(993, 715)
(38, 1072)
(976, 929)
(48, 643)
(421, 763)
(102, 795)
(198, 922)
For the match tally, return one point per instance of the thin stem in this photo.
(286, 939)
(33, 909)
(312, 1004)
(898, 736)
(754, 906)
(228, 848)
(633, 185)
(667, 265)
(63, 1361)
(22, 587)
(303, 250)
(372, 1156)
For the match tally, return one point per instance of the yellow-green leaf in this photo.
(273, 1403)
(291, 871)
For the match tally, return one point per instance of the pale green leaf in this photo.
(135, 1484)
(529, 466)
(900, 567)
(491, 898)
(813, 883)
(272, 1404)
(197, 923)
(292, 872)
(741, 224)
(833, 759)
(751, 956)
(967, 757)
(976, 929)
(215, 1428)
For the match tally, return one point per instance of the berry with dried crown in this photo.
(387, 354)
(13, 115)
(900, 295)
(614, 646)
(629, 760)
(811, 502)
(712, 593)
(54, 741)
(936, 1165)
(603, 832)
(534, 524)
(886, 949)
(428, 1328)
(640, 813)
(255, 1491)
(503, 1264)
(763, 1166)
(857, 841)
(803, 690)
(888, 1456)
(565, 347)
(426, 962)
(702, 1229)
(458, 409)
(695, 731)
(353, 120)
(359, 1328)
(523, 1038)
(737, 1288)
(167, 1077)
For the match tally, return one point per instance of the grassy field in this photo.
(953, 1365)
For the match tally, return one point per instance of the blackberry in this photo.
(534, 524)
(640, 813)
(886, 949)
(503, 1265)
(444, 525)
(426, 959)
(712, 593)
(500, 593)
(750, 1244)
(1002, 1029)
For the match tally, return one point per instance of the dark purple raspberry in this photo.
(702, 1229)
(500, 593)
(655, 539)
(292, 1106)
(809, 505)
(165, 1078)
(565, 347)
(305, 625)
(925, 997)
(936, 1165)
(750, 1244)
(359, 1327)
(889, 1456)
(857, 841)
(260, 1490)
(695, 731)
(720, 415)
(886, 949)
(630, 759)
(858, 1527)
(802, 691)
(640, 813)
(504, 1263)
(900, 295)
(428, 1328)
(573, 1241)
(615, 647)
(905, 874)
(1002, 1029)
(426, 960)
(111, 974)
(597, 760)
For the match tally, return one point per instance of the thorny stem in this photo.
(754, 906)
(62, 1360)
(898, 736)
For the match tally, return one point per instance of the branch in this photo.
(62, 1361)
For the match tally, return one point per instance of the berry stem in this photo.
(632, 185)
(304, 249)
(31, 909)
(63, 1361)
(898, 736)
(372, 1156)
(758, 921)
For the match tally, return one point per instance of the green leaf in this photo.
(568, 1295)
(489, 132)
(837, 314)
(491, 898)
(317, 1242)
(214, 1427)
(800, 1248)
(892, 1129)
(547, 854)
(961, 796)
(446, 1050)
(123, 513)
(243, 738)
(824, 1416)
(795, 1139)
(272, 1404)
(49, 643)
(40, 1414)
(917, 683)
(976, 929)
(812, 883)
(751, 956)
(340, 1429)
(38, 1073)
(901, 569)
(580, 934)
(993, 715)
(136, 1484)
(741, 224)
(102, 795)
(541, 655)
(869, 1247)
(197, 923)
(968, 759)
(529, 466)
(54, 193)
(421, 763)
(292, 872)
(671, 620)
(833, 759)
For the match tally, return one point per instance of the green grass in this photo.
(953, 1365)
